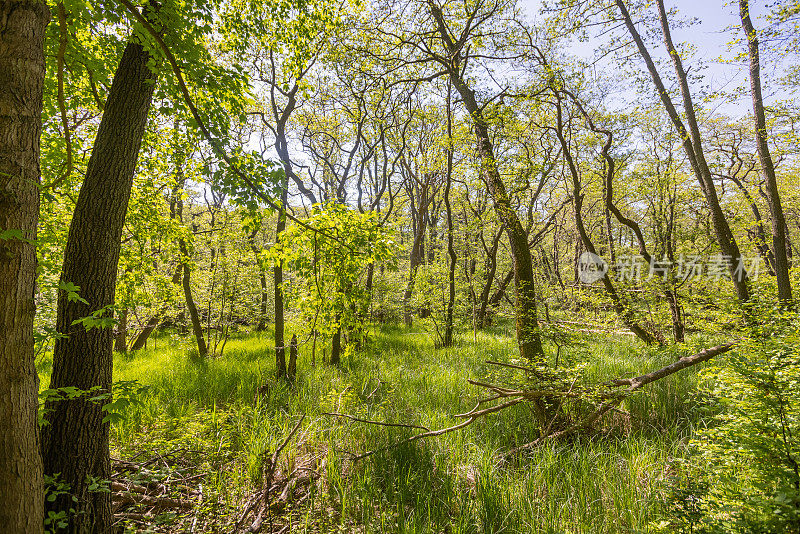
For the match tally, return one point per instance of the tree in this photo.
(451, 251)
(22, 74)
(75, 438)
(562, 124)
(457, 55)
(779, 246)
(330, 256)
(691, 137)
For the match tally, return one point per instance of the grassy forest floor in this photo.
(204, 431)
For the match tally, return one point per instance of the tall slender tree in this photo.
(75, 438)
(691, 137)
(457, 55)
(22, 70)
(779, 248)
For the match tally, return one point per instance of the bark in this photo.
(22, 71)
(292, 370)
(483, 319)
(191, 306)
(692, 142)
(779, 248)
(75, 440)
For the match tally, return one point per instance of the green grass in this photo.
(211, 415)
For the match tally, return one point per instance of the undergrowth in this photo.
(224, 416)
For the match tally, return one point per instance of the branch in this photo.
(381, 423)
(519, 396)
(215, 144)
(687, 361)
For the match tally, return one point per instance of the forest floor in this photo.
(193, 451)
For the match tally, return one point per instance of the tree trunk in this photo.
(368, 285)
(676, 310)
(779, 248)
(451, 250)
(336, 347)
(22, 71)
(415, 260)
(609, 207)
(262, 278)
(760, 237)
(280, 349)
(692, 141)
(141, 340)
(292, 370)
(528, 338)
(482, 318)
(191, 306)
(75, 440)
(621, 306)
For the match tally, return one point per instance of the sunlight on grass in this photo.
(229, 413)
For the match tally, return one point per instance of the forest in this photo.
(399, 266)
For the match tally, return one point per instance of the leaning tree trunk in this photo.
(22, 70)
(191, 306)
(528, 338)
(767, 166)
(141, 339)
(668, 289)
(186, 271)
(75, 440)
(691, 139)
(621, 305)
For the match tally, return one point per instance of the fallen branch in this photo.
(613, 399)
(683, 363)
(634, 384)
(380, 423)
(269, 475)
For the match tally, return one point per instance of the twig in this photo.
(511, 365)
(267, 486)
(381, 423)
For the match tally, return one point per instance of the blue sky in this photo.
(709, 37)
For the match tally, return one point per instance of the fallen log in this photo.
(516, 396)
